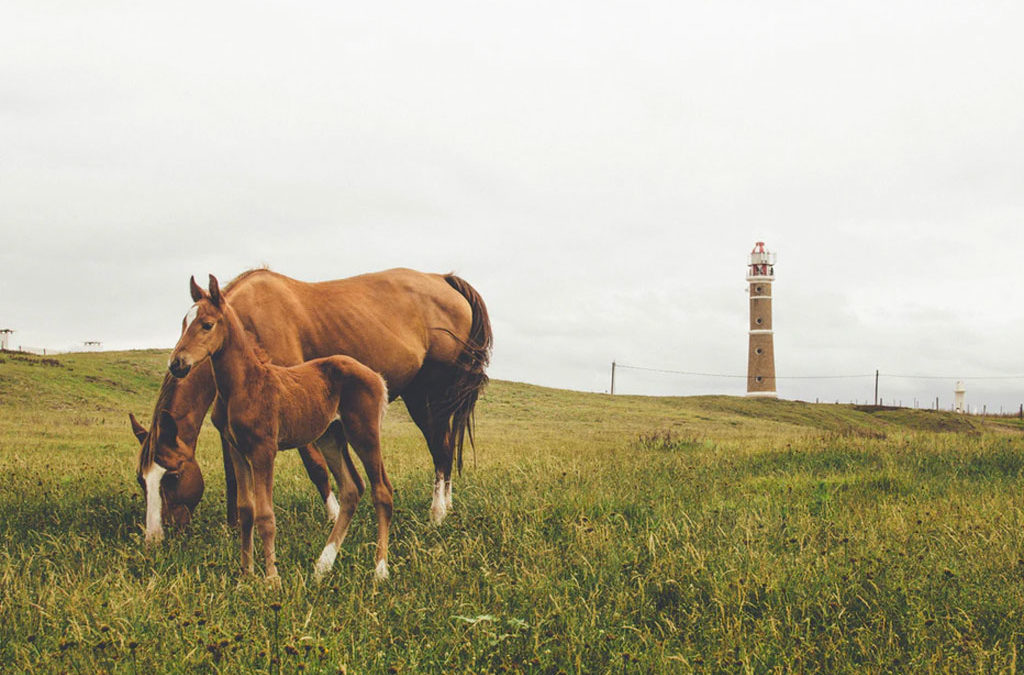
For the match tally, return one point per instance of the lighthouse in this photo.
(761, 355)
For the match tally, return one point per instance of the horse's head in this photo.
(171, 482)
(203, 329)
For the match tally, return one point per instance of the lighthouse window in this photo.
(757, 289)
(759, 351)
(758, 378)
(759, 321)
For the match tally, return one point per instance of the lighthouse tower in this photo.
(761, 357)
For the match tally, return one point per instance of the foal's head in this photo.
(203, 329)
(168, 474)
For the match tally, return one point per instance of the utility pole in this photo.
(876, 387)
(613, 378)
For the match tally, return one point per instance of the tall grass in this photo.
(591, 534)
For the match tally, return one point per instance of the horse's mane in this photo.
(245, 275)
(163, 403)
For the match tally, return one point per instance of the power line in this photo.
(825, 377)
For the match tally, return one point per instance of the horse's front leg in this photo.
(246, 504)
(230, 483)
(263, 482)
(219, 418)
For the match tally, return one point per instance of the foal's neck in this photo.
(236, 363)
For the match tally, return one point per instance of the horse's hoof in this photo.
(381, 573)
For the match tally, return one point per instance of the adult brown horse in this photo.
(270, 408)
(428, 335)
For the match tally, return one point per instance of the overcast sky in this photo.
(599, 171)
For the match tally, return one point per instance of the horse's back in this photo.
(391, 321)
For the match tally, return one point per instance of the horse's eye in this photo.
(207, 325)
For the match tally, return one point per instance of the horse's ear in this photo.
(137, 429)
(215, 296)
(168, 429)
(193, 287)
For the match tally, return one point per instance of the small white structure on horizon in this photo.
(958, 397)
(4, 334)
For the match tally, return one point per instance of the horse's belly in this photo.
(303, 429)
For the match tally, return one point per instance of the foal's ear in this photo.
(168, 429)
(137, 429)
(193, 287)
(214, 291)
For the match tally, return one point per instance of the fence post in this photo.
(613, 378)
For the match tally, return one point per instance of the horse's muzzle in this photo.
(179, 368)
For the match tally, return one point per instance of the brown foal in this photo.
(335, 400)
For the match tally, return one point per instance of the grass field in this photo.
(591, 534)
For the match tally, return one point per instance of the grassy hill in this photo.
(591, 534)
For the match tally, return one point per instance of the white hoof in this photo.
(438, 507)
(325, 562)
(381, 573)
(437, 513)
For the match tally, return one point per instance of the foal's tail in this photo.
(471, 375)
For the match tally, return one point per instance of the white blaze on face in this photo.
(154, 527)
(193, 311)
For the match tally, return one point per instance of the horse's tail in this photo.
(471, 377)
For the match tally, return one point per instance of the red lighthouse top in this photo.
(762, 262)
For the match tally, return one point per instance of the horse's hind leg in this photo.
(428, 416)
(362, 416)
(316, 469)
(350, 488)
